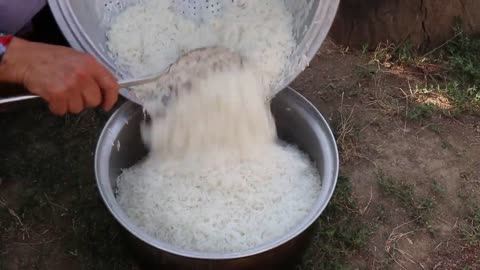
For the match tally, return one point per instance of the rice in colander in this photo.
(149, 36)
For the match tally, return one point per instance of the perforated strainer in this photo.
(85, 24)
(199, 10)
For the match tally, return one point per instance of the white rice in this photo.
(147, 37)
(216, 179)
(221, 207)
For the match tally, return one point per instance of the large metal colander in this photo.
(85, 23)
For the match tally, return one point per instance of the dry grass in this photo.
(346, 138)
(401, 257)
(348, 131)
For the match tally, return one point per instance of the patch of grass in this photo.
(98, 240)
(387, 54)
(471, 232)
(347, 132)
(463, 94)
(438, 188)
(453, 68)
(339, 232)
(382, 54)
(365, 49)
(365, 72)
(446, 145)
(381, 214)
(405, 53)
(419, 208)
(437, 129)
(462, 54)
(421, 112)
(459, 96)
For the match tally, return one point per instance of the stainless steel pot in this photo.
(298, 122)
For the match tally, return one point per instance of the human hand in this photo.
(68, 80)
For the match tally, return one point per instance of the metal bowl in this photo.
(298, 122)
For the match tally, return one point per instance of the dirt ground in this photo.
(414, 174)
(415, 179)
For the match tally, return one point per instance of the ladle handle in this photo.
(127, 83)
(16, 99)
(122, 83)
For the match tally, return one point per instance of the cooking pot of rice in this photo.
(297, 122)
